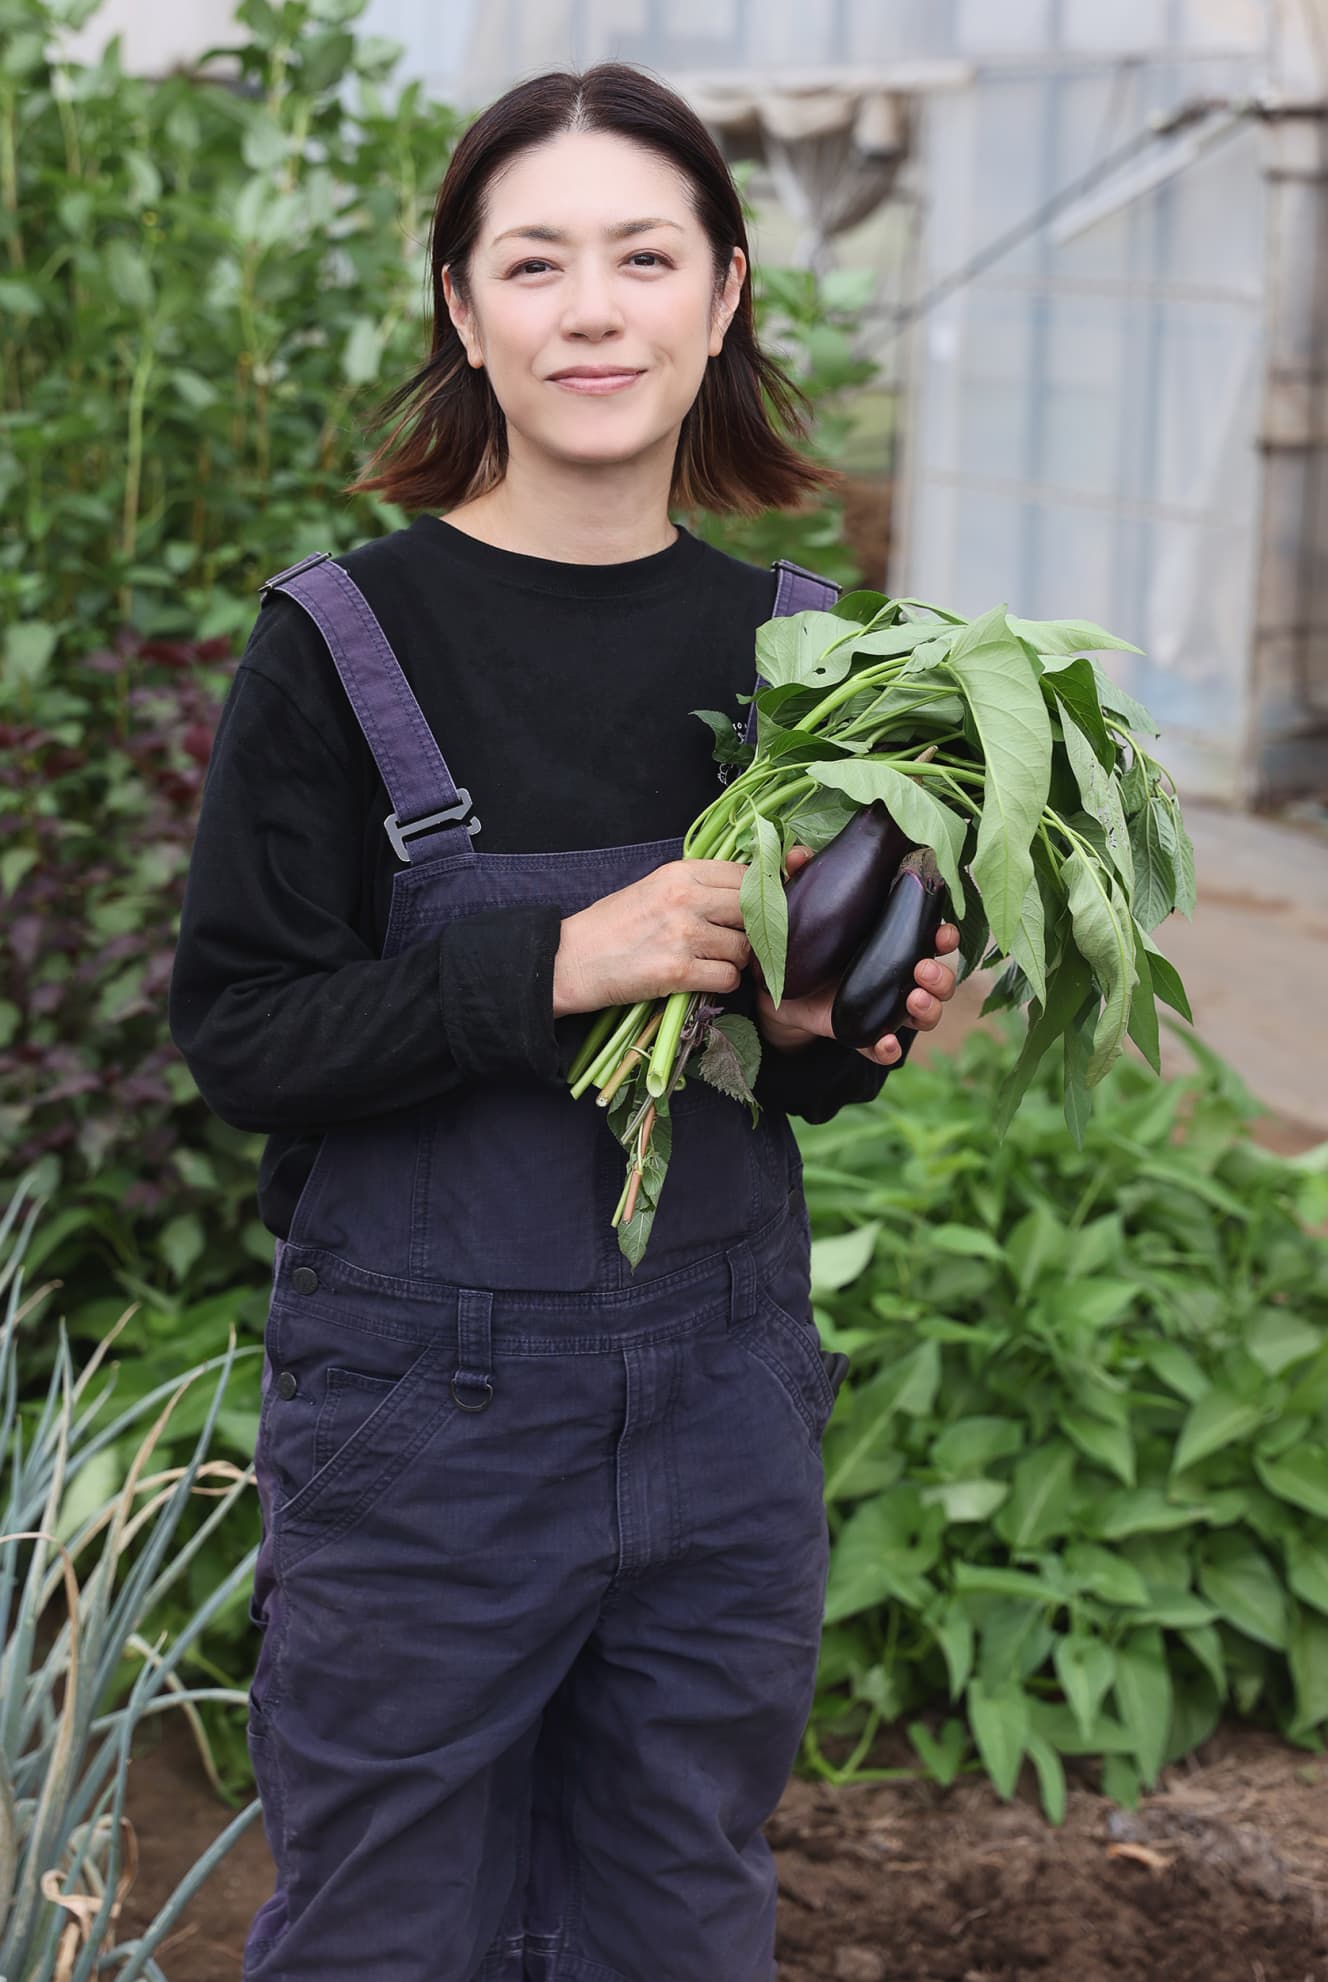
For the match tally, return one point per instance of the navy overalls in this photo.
(544, 1540)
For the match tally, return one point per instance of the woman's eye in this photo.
(642, 255)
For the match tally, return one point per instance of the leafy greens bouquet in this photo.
(1003, 749)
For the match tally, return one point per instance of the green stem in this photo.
(666, 1042)
(607, 1060)
(593, 1040)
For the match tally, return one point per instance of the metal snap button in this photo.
(304, 1280)
(287, 1385)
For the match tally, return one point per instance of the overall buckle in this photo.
(398, 833)
(294, 570)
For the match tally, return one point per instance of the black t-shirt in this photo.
(560, 696)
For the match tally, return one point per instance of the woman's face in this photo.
(559, 285)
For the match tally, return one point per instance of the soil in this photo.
(1219, 1876)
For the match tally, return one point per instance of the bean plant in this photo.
(1077, 1479)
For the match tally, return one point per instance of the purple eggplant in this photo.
(872, 998)
(834, 898)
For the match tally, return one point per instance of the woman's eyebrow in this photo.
(618, 232)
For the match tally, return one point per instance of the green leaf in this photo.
(1104, 936)
(1154, 874)
(910, 1384)
(1176, 1610)
(1299, 1476)
(1205, 1641)
(1238, 1578)
(362, 353)
(967, 1500)
(1028, 947)
(1133, 714)
(1050, 1775)
(730, 1059)
(999, 1721)
(1120, 1781)
(1065, 994)
(1068, 636)
(1078, 1058)
(1086, 1668)
(796, 647)
(883, 1551)
(1307, 1569)
(1072, 686)
(976, 1579)
(1111, 1446)
(838, 1260)
(1181, 849)
(1139, 1511)
(1178, 1369)
(923, 818)
(1166, 979)
(762, 902)
(1105, 1573)
(1039, 1506)
(20, 299)
(1010, 715)
(29, 647)
(1307, 1655)
(968, 1445)
(1143, 1006)
(1278, 1338)
(1100, 793)
(942, 1759)
(954, 1635)
(1143, 1694)
(129, 276)
(1216, 1419)
(181, 1242)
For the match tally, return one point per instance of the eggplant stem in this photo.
(643, 1135)
(633, 1188)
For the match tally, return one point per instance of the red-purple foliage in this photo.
(98, 800)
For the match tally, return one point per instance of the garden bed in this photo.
(1221, 1876)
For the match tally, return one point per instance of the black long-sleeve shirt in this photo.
(560, 695)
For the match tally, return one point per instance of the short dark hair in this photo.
(448, 437)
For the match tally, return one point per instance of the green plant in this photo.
(75, 1688)
(1078, 1480)
(997, 744)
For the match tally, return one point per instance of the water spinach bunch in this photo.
(985, 770)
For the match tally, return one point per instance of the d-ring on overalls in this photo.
(545, 1546)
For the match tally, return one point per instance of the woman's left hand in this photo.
(798, 1021)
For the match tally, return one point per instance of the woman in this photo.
(545, 1544)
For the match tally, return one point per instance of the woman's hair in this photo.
(448, 439)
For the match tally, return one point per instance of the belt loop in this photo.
(742, 1281)
(474, 1371)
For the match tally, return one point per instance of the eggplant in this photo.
(872, 998)
(834, 897)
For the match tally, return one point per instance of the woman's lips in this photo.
(617, 382)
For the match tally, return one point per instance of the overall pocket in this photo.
(790, 1352)
(346, 1409)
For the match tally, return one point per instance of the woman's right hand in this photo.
(678, 929)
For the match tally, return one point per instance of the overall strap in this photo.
(409, 761)
(798, 590)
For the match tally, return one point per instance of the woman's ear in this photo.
(726, 307)
(463, 321)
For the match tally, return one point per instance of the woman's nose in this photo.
(590, 308)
